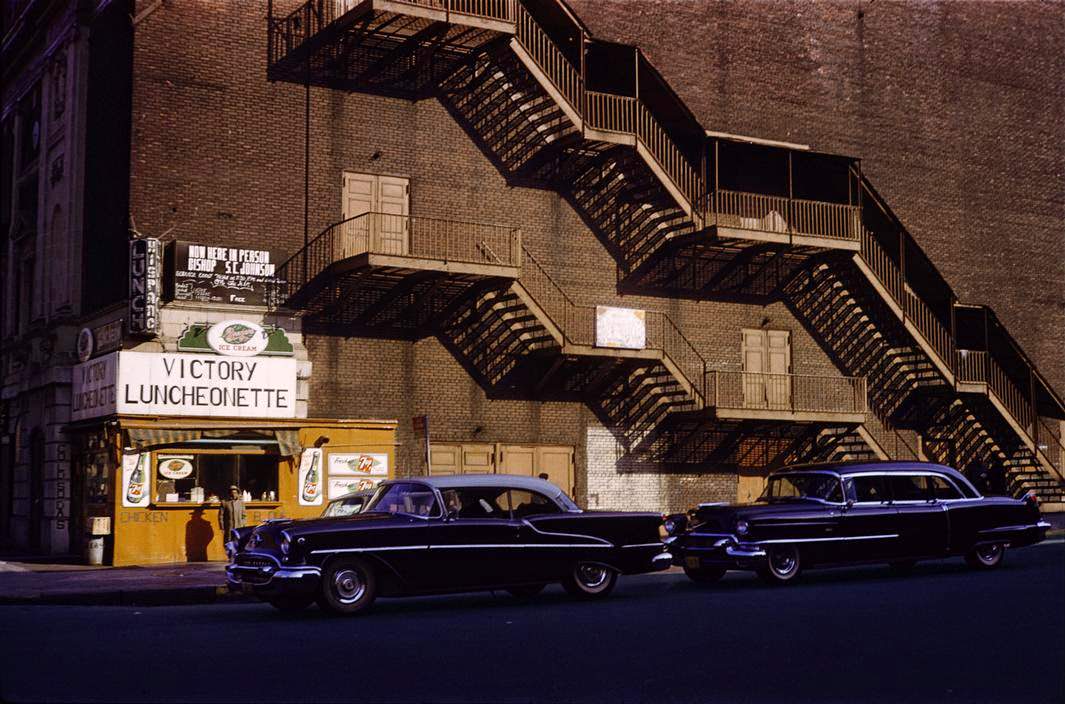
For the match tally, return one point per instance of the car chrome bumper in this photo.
(726, 551)
(267, 580)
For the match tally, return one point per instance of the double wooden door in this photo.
(556, 461)
(766, 369)
(376, 212)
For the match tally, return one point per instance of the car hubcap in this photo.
(783, 563)
(592, 576)
(989, 553)
(349, 586)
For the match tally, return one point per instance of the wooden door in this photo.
(749, 485)
(557, 463)
(358, 196)
(778, 359)
(517, 459)
(478, 458)
(753, 353)
(393, 202)
(445, 459)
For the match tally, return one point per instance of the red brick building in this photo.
(620, 244)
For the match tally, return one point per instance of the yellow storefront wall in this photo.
(178, 533)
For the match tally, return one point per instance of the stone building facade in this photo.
(157, 119)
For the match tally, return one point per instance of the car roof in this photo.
(865, 466)
(508, 481)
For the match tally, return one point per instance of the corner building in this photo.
(477, 211)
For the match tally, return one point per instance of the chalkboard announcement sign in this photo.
(210, 274)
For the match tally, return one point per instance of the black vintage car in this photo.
(445, 534)
(835, 514)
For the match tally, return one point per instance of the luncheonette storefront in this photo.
(160, 437)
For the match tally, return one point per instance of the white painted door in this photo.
(393, 202)
(766, 368)
(752, 350)
(358, 196)
(778, 357)
(375, 210)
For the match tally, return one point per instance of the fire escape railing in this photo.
(794, 216)
(577, 324)
(786, 392)
(604, 111)
(400, 236)
(285, 34)
(913, 308)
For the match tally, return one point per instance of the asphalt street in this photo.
(943, 634)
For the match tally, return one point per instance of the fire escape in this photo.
(685, 213)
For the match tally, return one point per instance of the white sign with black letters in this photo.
(149, 383)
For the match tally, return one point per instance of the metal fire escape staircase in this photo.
(522, 78)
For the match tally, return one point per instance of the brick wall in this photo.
(218, 157)
(954, 107)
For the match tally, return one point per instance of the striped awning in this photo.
(287, 440)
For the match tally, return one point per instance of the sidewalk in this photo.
(157, 585)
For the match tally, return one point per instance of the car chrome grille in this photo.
(256, 561)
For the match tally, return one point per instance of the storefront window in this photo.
(97, 478)
(186, 476)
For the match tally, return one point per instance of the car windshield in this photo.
(344, 507)
(404, 497)
(789, 487)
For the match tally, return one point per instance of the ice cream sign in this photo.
(237, 338)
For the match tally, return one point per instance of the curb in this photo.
(134, 597)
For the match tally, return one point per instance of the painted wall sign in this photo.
(93, 393)
(338, 486)
(311, 477)
(145, 270)
(85, 344)
(223, 274)
(359, 464)
(194, 339)
(136, 480)
(355, 471)
(108, 337)
(149, 383)
(237, 338)
(174, 466)
(624, 328)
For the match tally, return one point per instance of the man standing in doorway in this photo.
(231, 515)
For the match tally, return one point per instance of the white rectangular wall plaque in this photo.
(622, 328)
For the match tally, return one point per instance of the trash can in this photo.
(94, 551)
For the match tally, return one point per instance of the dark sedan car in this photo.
(835, 514)
(445, 534)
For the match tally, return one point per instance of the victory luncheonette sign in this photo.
(146, 383)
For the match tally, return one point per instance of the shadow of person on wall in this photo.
(198, 535)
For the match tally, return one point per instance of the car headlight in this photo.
(670, 525)
(286, 544)
(742, 527)
(231, 549)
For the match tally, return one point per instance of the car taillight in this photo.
(1031, 498)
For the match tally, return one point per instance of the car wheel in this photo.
(290, 604)
(902, 567)
(782, 565)
(986, 557)
(704, 575)
(526, 591)
(349, 586)
(590, 581)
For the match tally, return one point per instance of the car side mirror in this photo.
(451, 514)
(848, 504)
